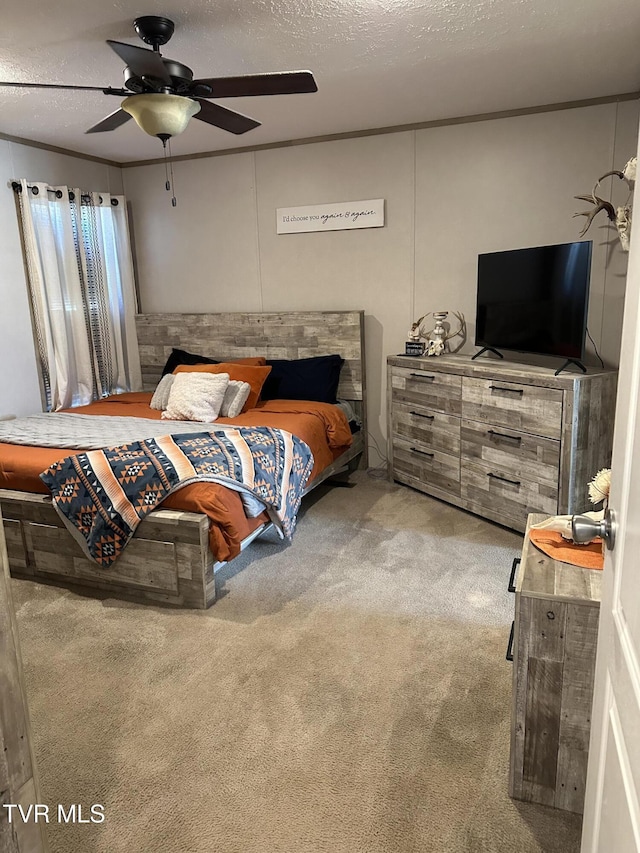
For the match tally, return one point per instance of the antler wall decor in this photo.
(620, 216)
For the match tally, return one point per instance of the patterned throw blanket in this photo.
(102, 495)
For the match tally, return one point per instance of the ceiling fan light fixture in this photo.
(159, 114)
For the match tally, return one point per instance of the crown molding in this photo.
(68, 152)
(401, 128)
(332, 137)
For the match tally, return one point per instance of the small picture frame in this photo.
(414, 348)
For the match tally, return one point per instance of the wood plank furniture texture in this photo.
(18, 778)
(557, 608)
(498, 438)
(273, 335)
(169, 560)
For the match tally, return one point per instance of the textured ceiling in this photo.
(377, 63)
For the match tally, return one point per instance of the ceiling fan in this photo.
(162, 95)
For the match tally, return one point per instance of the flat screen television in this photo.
(535, 300)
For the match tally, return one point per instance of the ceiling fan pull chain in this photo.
(167, 184)
(168, 167)
(173, 186)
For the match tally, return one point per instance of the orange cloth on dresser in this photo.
(553, 545)
(322, 426)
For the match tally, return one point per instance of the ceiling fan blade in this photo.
(142, 62)
(225, 119)
(111, 122)
(107, 90)
(278, 83)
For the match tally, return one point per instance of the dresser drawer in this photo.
(529, 408)
(517, 455)
(416, 464)
(441, 392)
(509, 496)
(433, 429)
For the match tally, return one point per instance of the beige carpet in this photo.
(347, 693)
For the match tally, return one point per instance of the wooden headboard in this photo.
(295, 334)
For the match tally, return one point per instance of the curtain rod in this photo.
(58, 193)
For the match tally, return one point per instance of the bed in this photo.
(177, 549)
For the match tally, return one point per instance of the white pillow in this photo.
(160, 397)
(234, 398)
(196, 396)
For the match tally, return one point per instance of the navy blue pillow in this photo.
(181, 356)
(314, 378)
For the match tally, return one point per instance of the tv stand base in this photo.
(487, 349)
(569, 361)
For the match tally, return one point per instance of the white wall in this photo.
(511, 183)
(218, 251)
(19, 386)
(451, 192)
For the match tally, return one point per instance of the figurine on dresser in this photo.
(436, 339)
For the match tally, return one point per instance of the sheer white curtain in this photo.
(81, 286)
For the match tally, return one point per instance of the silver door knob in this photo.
(584, 529)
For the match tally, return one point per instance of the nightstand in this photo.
(555, 632)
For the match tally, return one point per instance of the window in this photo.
(81, 287)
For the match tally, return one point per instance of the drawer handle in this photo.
(509, 654)
(509, 390)
(423, 376)
(514, 569)
(516, 438)
(420, 415)
(421, 452)
(504, 479)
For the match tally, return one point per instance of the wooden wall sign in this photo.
(340, 216)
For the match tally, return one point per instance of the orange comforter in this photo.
(322, 426)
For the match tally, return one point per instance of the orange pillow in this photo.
(258, 360)
(252, 374)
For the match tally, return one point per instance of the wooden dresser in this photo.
(557, 609)
(498, 438)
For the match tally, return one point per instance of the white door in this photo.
(612, 810)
